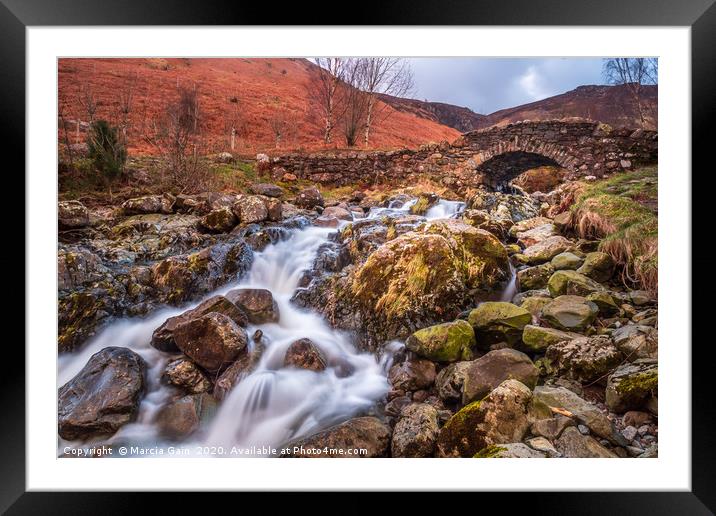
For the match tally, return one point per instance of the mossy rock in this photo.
(605, 302)
(534, 278)
(498, 321)
(535, 304)
(572, 283)
(630, 386)
(538, 338)
(570, 313)
(447, 342)
(598, 266)
(567, 261)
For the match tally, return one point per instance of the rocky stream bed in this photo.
(409, 326)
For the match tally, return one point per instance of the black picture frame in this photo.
(700, 15)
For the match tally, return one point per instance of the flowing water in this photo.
(271, 405)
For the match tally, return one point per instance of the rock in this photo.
(449, 381)
(533, 278)
(570, 313)
(416, 432)
(309, 198)
(640, 297)
(605, 303)
(250, 209)
(527, 225)
(304, 354)
(509, 451)
(186, 375)
(163, 336)
(572, 283)
(258, 304)
(237, 371)
(181, 418)
(497, 321)
(629, 433)
(584, 412)
(274, 208)
(572, 444)
(267, 189)
(636, 418)
(543, 445)
(551, 428)
(395, 406)
(79, 267)
(103, 396)
(487, 372)
(501, 417)
(220, 220)
(597, 266)
(212, 341)
(566, 261)
(326, 222)
(631, 385)
(538, 338)
(72, 215)
(423, 203)
(535, 304)
(637, 341)
(344, 441)
(412, 375)
(475, 217)
(584, 359)
(546, 249)
(536, 235)
(337, 212)
(447, 342)
(148, 204)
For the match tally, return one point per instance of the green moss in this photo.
(490, 452)
(639, 383)
(445, 342)
(421, 206)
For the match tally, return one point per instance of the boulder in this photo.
(450, 380)
(498, 321)
(447, 342)
(148, 204)
(412, 375)
(163, 336)
(637, 341)
(72, 215)
(416, 432)
(212, 341)
(534, 278)
(509, 451)
(242, 367)
(250, 209)
(597, 266)
(220, 220)
(186, 375)
(309, 198)
(551, 428)
(534, 304)
(605, 302)
(489, 371)
(304, 354)
(539, 338)
(103, 396)
(573, 444)
(630, 386)
(566, 262)
(536, 235)
(182, 417)
(258, 304)
(337, 212)
(527, 225)
(584, 359)
(267, 189)
(501, 417)
(572, 283)
(344, 441)
(570, 313)
(326, 222)
(547, 249)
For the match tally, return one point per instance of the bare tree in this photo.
(234, 121)
(87, 99)
(282, 124)
(356, 101)
(324, 90)
(125, 100)
(633, 73)
(382, 75)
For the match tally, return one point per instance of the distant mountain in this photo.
(461, 118)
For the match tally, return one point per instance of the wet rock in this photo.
(597, 266)
(546, 249)
(186, 375)
(447, 342)
(631, 385)
(538, 338)
(304, 354)
(103, 396)
(412, 375)
(326, 222)
(498, 322)
(487, 372)
(585, 359)
(501, 417)
(250, 209)
(220, 220)
(80, 313)
(211, 341)
(536, 235)
(509, 451)
(345, 439)
(533, 278)
(570, 313)
(572, 283)
(72, 215)
(337, 212)
(450, 380)
(258, 304)
(267, 189)
(416, 432)
(240, 369)
(182, 417)
(423, 203)
(637, 341)
(163, 336)
(396, 405)
(79, 267)
(572, 444)
(148, 204)
(567, 261)
(309, 198)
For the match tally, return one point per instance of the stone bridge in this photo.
(491, 157)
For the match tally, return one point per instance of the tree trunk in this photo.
(368, 121)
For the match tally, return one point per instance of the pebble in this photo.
(583, 429)
(634, 451)
(629, 433)
(643, 430)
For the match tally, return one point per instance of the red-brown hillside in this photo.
(255, 88)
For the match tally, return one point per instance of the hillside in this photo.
(461, 118)
(252, 90)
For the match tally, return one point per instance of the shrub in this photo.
(106, 151)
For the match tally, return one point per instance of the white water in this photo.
(271, 405)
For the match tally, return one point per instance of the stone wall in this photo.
(491, 156)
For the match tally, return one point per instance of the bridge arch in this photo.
(501, 169)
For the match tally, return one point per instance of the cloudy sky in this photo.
(486, 85)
